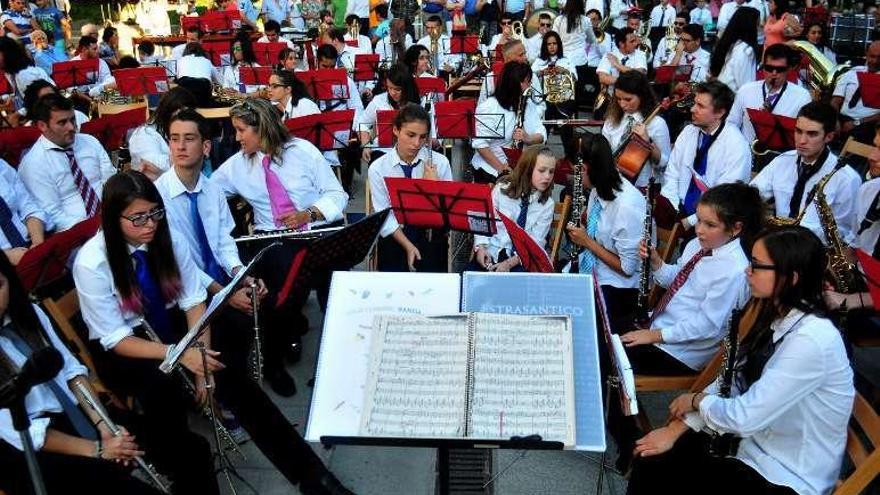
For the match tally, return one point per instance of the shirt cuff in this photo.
(329, 209)
(38, 433)
(694, 421)
(110, 340)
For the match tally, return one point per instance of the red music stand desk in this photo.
(533, 257)
(324, 130)
(776, 132)
(255, 76)
(666, 74)
(267, 53)
(141, 81)
(366, 66)
(458, 119)
(871, 271)
(461, 43)
(218, 52)
(439, 204)
(75, 73)
(47, 262)
(869, 83)
(434, 85)
(384, 124)
(14, 142)
(326, 84)
(111, 129)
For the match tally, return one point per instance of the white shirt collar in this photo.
(176, 186)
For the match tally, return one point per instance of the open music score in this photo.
(485, 376)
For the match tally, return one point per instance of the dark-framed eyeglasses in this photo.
(276, 85)
(141, 219)
(775, 68)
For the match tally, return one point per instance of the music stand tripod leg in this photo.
(612, 383)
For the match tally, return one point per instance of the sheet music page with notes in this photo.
(523, 378)
(418, 375)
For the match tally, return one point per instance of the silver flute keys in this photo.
(157, 479)
(256, 357)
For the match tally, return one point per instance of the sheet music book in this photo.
(473, 375)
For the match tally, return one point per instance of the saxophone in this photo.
(645, 277)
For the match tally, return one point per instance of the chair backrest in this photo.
(862, 439)
(853, 147)
(557, 226)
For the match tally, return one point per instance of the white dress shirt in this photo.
(729, 160)
(21, 204)
(635, 60)
(621, 225)
(494, 120)
(303, 108)
(177, 51)
(739, 66)
(364, 45)
(657, 13)
(533, 46)
(596, 51)
(46, 174)
(198, 67)
(104, 77)
(698, 59)
(845, 88)
(388, 165)
(658, 132)
(701, 16)
(40, 400)
(793, 419)
(385, 49)
(697, 316)
(100, 301)
(231, 79)
(725, 13)
(574, 44)
(751, 95)
(618, 10)
(216, 219)
(868, 238)
(304, 172)
(147, 144)
(777, 180)
(538, 218)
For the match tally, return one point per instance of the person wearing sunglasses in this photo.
(666, 45)
(504, 36)
(533, 42)
(774, 94)
(789, 180)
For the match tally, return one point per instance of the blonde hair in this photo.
(266, 119)
(519, 182)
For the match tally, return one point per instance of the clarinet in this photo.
(645, 278)
(256, 360)
(727, 444)
(578, 205)
(157, 479)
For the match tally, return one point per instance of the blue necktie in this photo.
(694, 192)
(77, 418)
(588, 259)
(9, 229)
(209, 263)
(523, 212)
(154, 302)
(408, 169)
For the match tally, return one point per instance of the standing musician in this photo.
(725, 14)
(75, 449)
(788, 181)
(400, 89)
(64, 170)
(518, 119)
(707, 153)
(627, 57)
(136, 265)
(550, 61)
(790, 399)
(401, 247)
(856, 118)
(524, 196)
(774, 94)
(633, 101)
(733, 58)
(443, 61)
(23, 225)
(290, 95)
(575, 31)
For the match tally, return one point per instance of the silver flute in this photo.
(207, 411)
(161, 483)
(288, 234)
(256, 360)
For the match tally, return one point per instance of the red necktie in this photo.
(678, 281)
(90, 199)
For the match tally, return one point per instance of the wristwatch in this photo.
(313, 215)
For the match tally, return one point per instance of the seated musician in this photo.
(533, 43)
(64, 170)
(288, 60)
(23, 224)
(88, 50)
(406, 248)
(790, 399)
(148, 143)
(290, 95)
(364, 45)
(243, 57)
(708, 152)
(774, 94)
(689, 51)
(550, 61)
(133, 267)
(393, 45)
(192, 34)
(789, 181)
(74, 447)
(518, 120)
(857, 119)
(272, 34)
(400, 89)
(664, 51)
(513, 51)
(525, 195)
(633, 101)
(443, 61)
(418, 60)
(503, 37)
(34, 92)
(626, 57)
(195, 64)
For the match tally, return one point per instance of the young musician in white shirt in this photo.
(857, 119)
(633, 101)
(733, 58)
(243, 58)
(708, 152)
(23, 224)
(88, 50)
(701, 15)
(774, 94)
(400, 89)
(624, 58)
(791, 393)
(290, 95)
(575, 30)
(407, 248)
(148, 143)
(132, 269)
(498, 116)
(551, 59)
(788, 181)
(689, 52)
(529, 187)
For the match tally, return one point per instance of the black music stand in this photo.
(440, 204)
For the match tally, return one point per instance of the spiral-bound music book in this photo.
(471, 375)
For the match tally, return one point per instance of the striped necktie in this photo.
(89, 197)
(678, 282)
(588, 259)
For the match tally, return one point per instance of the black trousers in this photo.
(689, 469)
(433, 247)
(483, 177)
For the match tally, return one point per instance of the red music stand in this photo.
(871, 269)
(775, 132)
(440, 204)
(384, 124)
(47, 262)
(141, 81)
(341, 250)
(327, 131)
(75, 73)
(326, 84)
(111, 129)
(215, 21)
(666, 74)
(15, 141)
(352, 43)
(869, 84)
(187, 22)
(533, 257)
(462, 43)
(434, 85)
(218, 52)
(497, 69)
(455, 119)
(255, 76)
(499, 53)
(267, 53)
(513, 155)
(5, 87)
(564, 169)
(366, 66)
